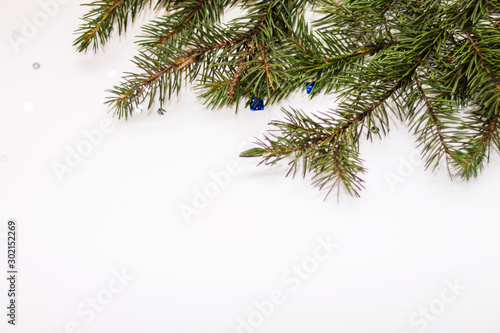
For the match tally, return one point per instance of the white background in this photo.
(119, 209)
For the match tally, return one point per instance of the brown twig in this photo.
(190, 16)
(179, 64)
(491, 122)
(93, 32)
(266, 64)
(248, 47)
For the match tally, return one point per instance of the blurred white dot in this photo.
(15, 35)
(4, 158)
(28, 107)
(138, 108)
(111, 72)
(36, 65)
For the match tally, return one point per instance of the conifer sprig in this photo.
(431, 64)
(104, 17)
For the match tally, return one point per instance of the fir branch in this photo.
(105, 16)
(483, 61)
(432, 63)
(137, 88)
(431, 125)
(188, 17)
(239, 71)
(339, 130)
(330, 151)
(101, 20)
(184, 22)
(243, 57)
(484, 125)
(342, 129)
(263, 58)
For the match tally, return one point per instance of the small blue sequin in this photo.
(309, 87)
(257, 104)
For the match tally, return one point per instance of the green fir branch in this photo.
(432, 64)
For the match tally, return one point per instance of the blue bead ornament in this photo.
(256, 104)
(309, 87)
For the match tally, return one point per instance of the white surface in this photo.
(119, 209)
